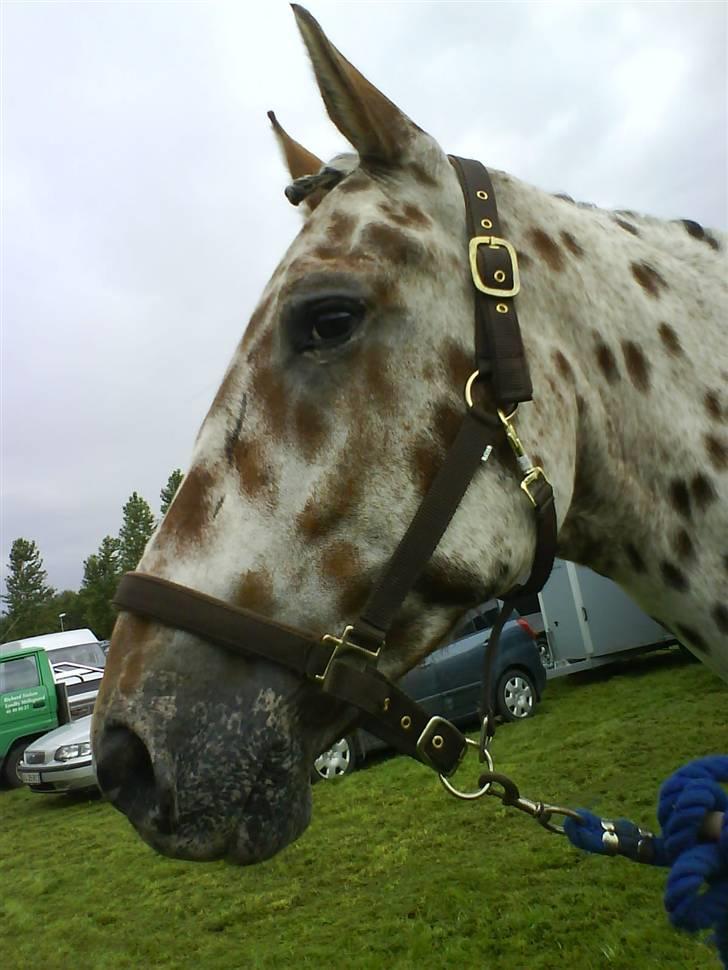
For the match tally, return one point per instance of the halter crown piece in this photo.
(345, 666)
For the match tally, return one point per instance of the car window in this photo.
(480, 618)
(462, 645)
(18, 674)
(89, 654)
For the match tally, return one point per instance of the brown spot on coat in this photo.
(717, 452)
(459, 363)
(399, 247)
(638, 366)
(255, 592)
(409, 215)
(703, 491)
(648, 278)
(607, 362)
(563, 366)
(271, 398)
(571, 244)
(377, 378)
(697, 232)
(627, 226)
(415, 216)
(720, 615)
(547, 249)
(190, 512)
(683, 544)
(353, 598)
(310, 426)
(673, 576)
(355, 182)
(693, 637)
(254, 468)
(331, 504)
(680, 497)
(340, 563)
(132, 642)
(712, 405)
(670, 339)
(635, 559)
(326, 252)
(341, 228)
(426, 459)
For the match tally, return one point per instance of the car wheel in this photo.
(339, 760)
(10, 768)
(516, 696)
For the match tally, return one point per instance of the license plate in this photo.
(30, 777)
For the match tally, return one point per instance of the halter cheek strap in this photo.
(345, 667)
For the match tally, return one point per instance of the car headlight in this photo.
(68, 752)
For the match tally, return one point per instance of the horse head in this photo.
(329, 426)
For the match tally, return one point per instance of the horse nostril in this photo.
(126, 776)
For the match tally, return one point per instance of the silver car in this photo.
(60, 761)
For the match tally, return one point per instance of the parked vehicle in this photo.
(60, 761)
(448, 684)
(589, 621)
(45, 681)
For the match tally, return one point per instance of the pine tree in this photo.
(137, 526)
(170, 489)
(101, 573)
(27, 594)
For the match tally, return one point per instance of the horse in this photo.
(333, 420)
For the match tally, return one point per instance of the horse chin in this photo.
(254, 839)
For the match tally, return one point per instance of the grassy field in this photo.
(392, 872)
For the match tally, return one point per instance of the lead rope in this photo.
(693, 814)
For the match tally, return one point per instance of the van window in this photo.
(18, 674)
(88, 654)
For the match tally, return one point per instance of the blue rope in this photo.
(696, 895)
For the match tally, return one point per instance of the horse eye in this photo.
(322, 324)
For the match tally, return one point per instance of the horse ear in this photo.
(379, 131)
(299, 160)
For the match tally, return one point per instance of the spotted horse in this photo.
(342, 403)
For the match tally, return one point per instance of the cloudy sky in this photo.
(142, 205)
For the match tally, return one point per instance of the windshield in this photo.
(89, 654)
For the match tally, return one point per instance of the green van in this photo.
(44, 682)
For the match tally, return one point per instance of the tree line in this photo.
(32, 607)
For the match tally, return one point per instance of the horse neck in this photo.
(608, 310)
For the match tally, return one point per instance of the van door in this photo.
(26, 705)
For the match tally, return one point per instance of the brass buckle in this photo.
(428, 735)
(494, 242)
(534, 473)
(343, 644)
(531, 472)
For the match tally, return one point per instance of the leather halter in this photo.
(345, 667)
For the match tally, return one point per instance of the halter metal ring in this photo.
(469, 795)
(469, 387)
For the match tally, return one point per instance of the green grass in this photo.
(392, 872)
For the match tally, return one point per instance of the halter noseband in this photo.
(345, 667)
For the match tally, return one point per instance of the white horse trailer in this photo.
(588, 621)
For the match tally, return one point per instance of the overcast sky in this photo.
(143, 208)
